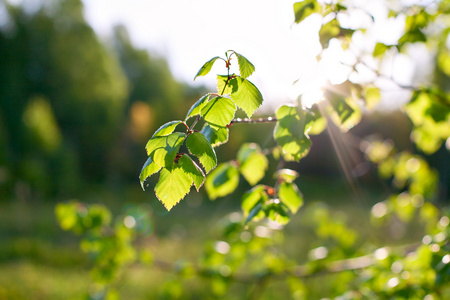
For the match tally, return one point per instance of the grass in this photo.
(40, 261)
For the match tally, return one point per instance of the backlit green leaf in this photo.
(219, 111)
(148, 169)
(372, 96)
(199, 146)
(163, 149)
(255, 211)
(206, 67)
(290, 196)
(380, 49)
(253, 197)
(289, 132)
(287, 175)
(166, 129)
(197, 107)
(222, 181)
(277, 212)
(215, 135)
(173, 185)
(193, 170)
(246, 68)
(225, 86)
(346, 111)
(252, 163)
(247, 96)
(305, 8)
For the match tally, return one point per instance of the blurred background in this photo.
(83, 86)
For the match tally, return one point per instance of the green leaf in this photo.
(215, 135)
(287, 175)
(206, 67)
(219, 111)
(255, 211)
(372, 96)
(225, 86)
(380, 49)
(173, 185)
(277, 212)
(197, 107)
(346, 110)
(315, 122)
(193, 170)
(222, 181)
(148, 169)
(290, 196)
(304, 9)
(331, 30)
(166, 129)
(199, 146)
(252, 163)
(253, 197)
(246, 68)
(246, 96)
(163, 149)
(289, 132)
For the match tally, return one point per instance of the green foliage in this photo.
(199, 146)
(204, 70)
(247, 96)
(219, 111)
(305, 8)
(222, 181)
(246, 68)
(290, 132)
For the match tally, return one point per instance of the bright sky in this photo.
(190, 32)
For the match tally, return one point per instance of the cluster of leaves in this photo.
(109, 244)
(179, 170)
(419, 270)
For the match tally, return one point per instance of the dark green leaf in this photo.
(193, 170)
(199, 146)
(246, 96)
(215, 135)
(206, 67)
(219, 111)
(222, 181)
(246, 68)
(197, 107)
(254, 212)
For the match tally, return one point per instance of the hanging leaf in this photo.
(193, 170)
(289, 133)
(199, 146)
(173, 186)
(215, 135)
(290, 195)
(148, 169)
(222, 181)
(304, 9)
(252, 163)
(246, 96)
(372, 96)
(219, 111)
(166, 129)
(197, 107)
(206, 67)
(253, 197)
(246, 68)
(163, 149)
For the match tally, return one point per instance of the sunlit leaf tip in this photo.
(204, 70)
(246, 68)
